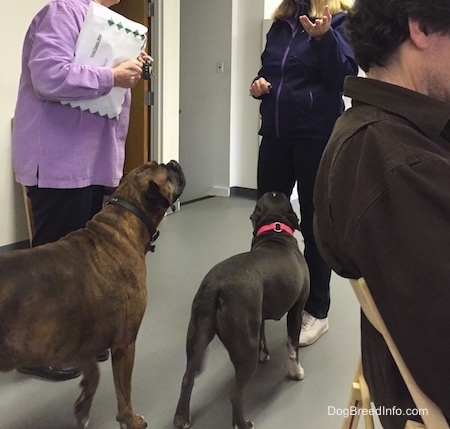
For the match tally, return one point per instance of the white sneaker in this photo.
(312, 329)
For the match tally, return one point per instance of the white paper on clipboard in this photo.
(106, 39)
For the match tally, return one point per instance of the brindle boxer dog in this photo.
(238, 294)
(64, 302)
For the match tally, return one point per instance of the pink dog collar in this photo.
(275, 226)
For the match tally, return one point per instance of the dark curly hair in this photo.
(376, 28)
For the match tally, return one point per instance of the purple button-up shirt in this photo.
(56, 146)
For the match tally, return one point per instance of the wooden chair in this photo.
(359, 399)
(30, 223)
(434, 419)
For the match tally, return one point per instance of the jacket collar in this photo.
(400, 101)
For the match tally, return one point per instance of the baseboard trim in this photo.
(15, 246)
(195, 200)
(234, 191)
(219, 191)
(177, 206)
(237, 191)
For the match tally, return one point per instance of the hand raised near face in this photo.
(319, 27)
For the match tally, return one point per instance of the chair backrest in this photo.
(434, 418)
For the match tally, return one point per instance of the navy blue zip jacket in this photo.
(307, 78)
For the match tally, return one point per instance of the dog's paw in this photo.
(263, 357)
(135, 422)
(248, 423)
(295, 370)
(181, 422)
(82, 424)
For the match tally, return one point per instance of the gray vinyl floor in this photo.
(191, 242)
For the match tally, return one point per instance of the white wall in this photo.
(246, 61)
(270, 6)
(165, 50)
(205, 40)
(219, 121)
(16, 17)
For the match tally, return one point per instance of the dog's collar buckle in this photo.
(276, 227)
(155, 236)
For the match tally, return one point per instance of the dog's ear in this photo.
(154, 196)
(293, 218)
(255, 216)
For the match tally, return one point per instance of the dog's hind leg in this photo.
(200, 334)
(240, 336)
(122, 365)
(244, 373)
(89, 383)
(294, 326)
(264, 355)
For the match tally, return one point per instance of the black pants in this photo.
(56, 212)
(281, 164)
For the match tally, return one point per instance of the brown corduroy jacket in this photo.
(382, 201)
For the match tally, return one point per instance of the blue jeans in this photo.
(281, 164)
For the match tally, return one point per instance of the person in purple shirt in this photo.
(300, 84)
(66, 157)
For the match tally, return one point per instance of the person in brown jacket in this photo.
(382, 195)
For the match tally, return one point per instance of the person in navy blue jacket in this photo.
(300, 84)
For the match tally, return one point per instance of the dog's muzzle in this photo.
(175, 171)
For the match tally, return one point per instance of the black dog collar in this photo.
(154, 233)
(276, 227)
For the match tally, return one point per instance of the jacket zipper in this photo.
(277, 100)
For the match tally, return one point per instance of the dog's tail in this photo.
(202, 325)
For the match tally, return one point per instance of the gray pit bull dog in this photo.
(64, 302)
(238, 294)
